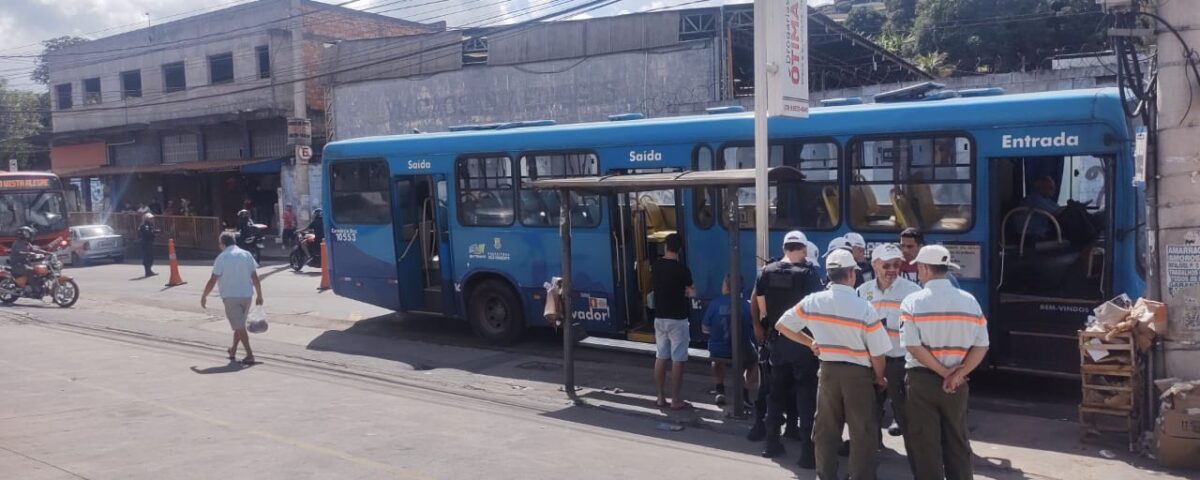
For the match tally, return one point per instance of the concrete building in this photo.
(198, 108)
(661, 63)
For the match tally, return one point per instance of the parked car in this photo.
(95, 242)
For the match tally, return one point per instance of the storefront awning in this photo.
(264, 166)
(181, 167)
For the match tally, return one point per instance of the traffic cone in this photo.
(324, 269)
(176, 280)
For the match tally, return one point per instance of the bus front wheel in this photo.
(494, 312)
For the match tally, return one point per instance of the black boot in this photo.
(808, 456)
(758, 432)
(773, 448)
(844, 450)
(793, 432)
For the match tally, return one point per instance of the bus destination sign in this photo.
(24, 183)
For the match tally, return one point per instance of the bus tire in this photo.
(495, 313)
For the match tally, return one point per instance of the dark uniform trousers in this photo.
(895, 391)
(793, 385)
(846, 396)
(936, 435)
(764, 393)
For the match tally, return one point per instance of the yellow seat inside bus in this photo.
(660, 220)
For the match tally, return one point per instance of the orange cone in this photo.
(325, 285)
(176, 280)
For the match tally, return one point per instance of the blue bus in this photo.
(444, 223)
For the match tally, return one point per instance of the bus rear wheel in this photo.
(495, 314)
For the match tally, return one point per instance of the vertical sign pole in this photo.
(564, 231)
(761, 150)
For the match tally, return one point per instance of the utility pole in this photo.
(1175, 181)
(299, 167)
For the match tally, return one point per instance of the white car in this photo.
(95, 242)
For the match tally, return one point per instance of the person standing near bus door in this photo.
(793, 379)
(945, 335)
(718, 325)
(911, 242)
(146, 234)
(858, 247)
(672, 287)
(848, 336)
(885, 293)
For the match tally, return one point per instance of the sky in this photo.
(25, 23)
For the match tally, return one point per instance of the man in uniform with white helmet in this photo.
(848, 336)
(885, 293)
(858, 247)
(945, 335)
(793, 377)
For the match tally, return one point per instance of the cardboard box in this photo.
(1178, 452)
(1180, 425)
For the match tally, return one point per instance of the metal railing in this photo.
(190, 232)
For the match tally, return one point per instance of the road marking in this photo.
(274, 437)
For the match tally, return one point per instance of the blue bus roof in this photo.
(1100, 105)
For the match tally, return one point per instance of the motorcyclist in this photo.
(19, 255)
(317, 228)
(247, 238)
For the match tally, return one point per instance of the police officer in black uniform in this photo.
(793, 380)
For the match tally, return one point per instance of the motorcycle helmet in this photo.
(317, 212)
(243, 213)
(25, 233)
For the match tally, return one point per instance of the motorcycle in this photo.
(298, 259)
(253, 242)
(44, 277)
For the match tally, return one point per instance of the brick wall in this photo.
(328, 26)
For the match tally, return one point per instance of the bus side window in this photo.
(542, 208)
(485, 191)
(921, 181)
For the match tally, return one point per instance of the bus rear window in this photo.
(360, 193)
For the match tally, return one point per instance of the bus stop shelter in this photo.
(609, 185)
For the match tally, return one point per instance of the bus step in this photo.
(627, 346)
(433, 298)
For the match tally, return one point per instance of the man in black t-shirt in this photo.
(672, 286)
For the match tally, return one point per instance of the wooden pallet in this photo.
(1107, 380)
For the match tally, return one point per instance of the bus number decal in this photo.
(345, 234)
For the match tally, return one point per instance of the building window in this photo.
(919, 181)
(264, 61)
(810, 204)
(485, 191)
(220, 68)
(131, 84)
(704, 198)
(62, 94)
(174, 77)
(541, 208)
(91, 91)
(360, 193)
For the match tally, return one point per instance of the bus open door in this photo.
(421, 236)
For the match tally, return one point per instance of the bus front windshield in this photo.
(44, 211)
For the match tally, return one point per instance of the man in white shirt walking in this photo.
(236, 272)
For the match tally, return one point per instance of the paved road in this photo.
(132, 383)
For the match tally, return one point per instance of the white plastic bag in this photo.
(256, 322)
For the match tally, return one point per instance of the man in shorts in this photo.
(672, 284)
(236, 272)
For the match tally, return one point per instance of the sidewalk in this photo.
(616, 391)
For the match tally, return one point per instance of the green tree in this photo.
(21, 121)
(900, 14)
(866, 22)
(41, 71)
(1004, 35)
